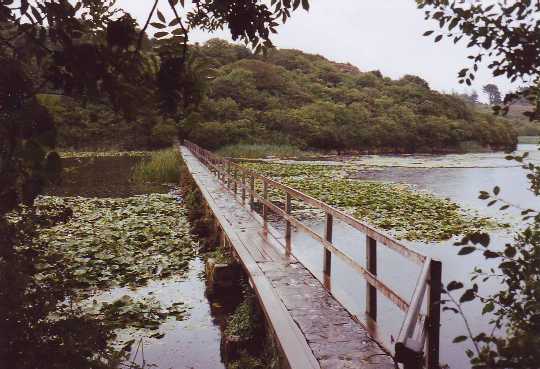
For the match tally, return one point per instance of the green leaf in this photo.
(160, 34)
(459, 339)
(438, 38)
(510, 251)
(160, 16)
(454, 285)
(468, 295)
(488, 308)
(496, 190)
(466, 250)
(488, 254)
(427, 33)
(158, 25)
(305, 4)
(483, 195)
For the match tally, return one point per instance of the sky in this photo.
(383, 35)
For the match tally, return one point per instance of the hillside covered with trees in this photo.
(291, 97)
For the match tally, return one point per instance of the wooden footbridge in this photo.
(310, 325)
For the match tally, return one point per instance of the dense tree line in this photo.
(292, 97)
(289, 97)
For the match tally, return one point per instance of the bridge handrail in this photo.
(412, 342)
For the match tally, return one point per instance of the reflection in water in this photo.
(193, 342)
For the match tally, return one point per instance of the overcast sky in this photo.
(370, 34)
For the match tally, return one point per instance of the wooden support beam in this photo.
(327, 262)
(434, 314)
(264, 207)
(243, 188)
(251, 191)
(371, 266)
(288, 226)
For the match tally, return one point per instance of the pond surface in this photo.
(457, 177)
(192, 341)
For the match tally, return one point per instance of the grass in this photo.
(162, 167)
(255, 151)
(529, 139)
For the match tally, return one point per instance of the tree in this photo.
(94, 51)
(503, 33)
(507, 33)
(494, 95)
(474, 97)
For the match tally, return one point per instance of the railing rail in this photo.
(417, 345)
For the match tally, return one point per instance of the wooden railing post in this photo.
(434, 314)
(264, 207)
(371, 265)
(235, 181)
(327, 262)
(251, 191)
(243, 188)
(228, 174)
(288, 225)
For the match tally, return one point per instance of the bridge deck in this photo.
(312, 329)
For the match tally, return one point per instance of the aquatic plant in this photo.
(408, 214)
(255, 151)
(98, 154)
(162, 167)
(119, 242)
(245, 322)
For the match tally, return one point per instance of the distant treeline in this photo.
(296, 98)
(290, 97)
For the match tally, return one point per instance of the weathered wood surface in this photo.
(312, 329)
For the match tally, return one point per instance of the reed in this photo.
(161, 167)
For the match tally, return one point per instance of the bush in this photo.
(164, 133)
(255, 151)
(162, 166)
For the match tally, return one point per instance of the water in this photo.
(193, 342)
(190, 343)
(457, 177)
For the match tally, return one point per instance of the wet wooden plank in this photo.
(290, 339)
(312, 329)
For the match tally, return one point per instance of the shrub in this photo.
(162, 166)
(255, 151)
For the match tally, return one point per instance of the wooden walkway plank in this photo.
(312, 329)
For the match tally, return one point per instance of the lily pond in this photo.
(128, 249)
(425, 201)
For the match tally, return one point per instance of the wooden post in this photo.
(251, 191)
(235, 180)
(371, 264)
(243, 188)
(434, 314)
(228, 174)
(327, 261)
(288, 225)
(264, 208)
